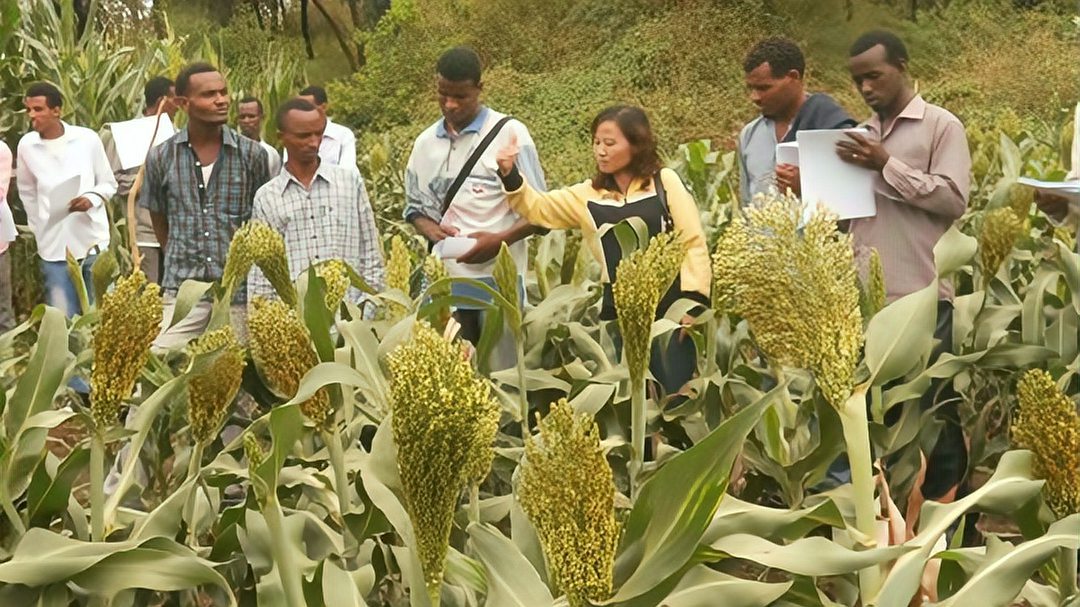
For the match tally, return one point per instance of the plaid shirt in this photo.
(331, 220)
(202, 217)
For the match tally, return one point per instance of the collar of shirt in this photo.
(69, 134)
(285, 178)
(228, 137)
(914, 110)
(474, 127)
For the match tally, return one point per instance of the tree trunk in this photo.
(342, 39)
(305, 30)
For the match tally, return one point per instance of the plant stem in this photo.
(857, 438)
(10, 512)
(1067, 586)
(280, 549)
(710, 347)
(97, 487)
(434, 592)
(194, 467)
(341, 483)
(523, 396)
(637, 432)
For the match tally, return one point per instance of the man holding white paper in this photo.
(156, 90)
(774, 71)
(321, 209)
(478, 208)
(922, 166)
(64, 179)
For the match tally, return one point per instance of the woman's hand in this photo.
(507, 156)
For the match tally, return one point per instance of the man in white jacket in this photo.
(64, 180)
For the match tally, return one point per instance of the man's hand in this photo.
(80, 204)
(434, 232)
(787, 177)
(486, 248)
(1054, 205)
(507, 156)
(862, 152)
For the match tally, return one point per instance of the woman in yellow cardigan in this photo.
(629, 182)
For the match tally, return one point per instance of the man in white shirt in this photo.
(1057, 207)
(64, 179)
(249, 120)
(339, 143)
(479, 209)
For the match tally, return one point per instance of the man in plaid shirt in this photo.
(199, 187)
(321, 209)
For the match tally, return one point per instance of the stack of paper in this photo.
(844, 188)
(134, 138)
(453, 247)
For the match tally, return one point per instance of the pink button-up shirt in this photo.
(921, 191)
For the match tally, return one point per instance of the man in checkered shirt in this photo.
(321, 209)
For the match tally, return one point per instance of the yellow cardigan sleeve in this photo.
(561, 209)
(696, 272)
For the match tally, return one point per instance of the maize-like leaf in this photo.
(953, 251)
(901, 334)
(677, 504)
(701, 587)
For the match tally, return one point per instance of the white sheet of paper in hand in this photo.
(59, 198)
(1068, 189)
(844, 188)
(133, 138)
(787, 153)
(453, 247)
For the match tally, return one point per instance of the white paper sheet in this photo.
(133, 137)
(58, 199)
(787, 153)
(844, 188)
(453, 247)
(1068, 189)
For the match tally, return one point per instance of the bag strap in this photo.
(467, 168)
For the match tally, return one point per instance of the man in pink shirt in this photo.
(920, 154)
(7, 236)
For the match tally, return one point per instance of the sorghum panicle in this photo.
(567, 490)
(283, 353)
(642, 277)
(130, 320)
(211, 389)
(1048, 425)
(797, 288)
(444, 423)
(1000, 230)
(336, 275)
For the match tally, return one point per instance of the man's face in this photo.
(207, 99)
(459, 101)
(320, 106)
(43, 118)
(302, 134)
(774, 96)
(879, 82)
(249, 119)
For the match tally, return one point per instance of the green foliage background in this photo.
(555, 64)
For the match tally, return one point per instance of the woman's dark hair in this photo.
(634, 125)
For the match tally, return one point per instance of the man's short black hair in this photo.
(255, 100)
(895, 51)
(317, 92)
(296, 103)
(459, 64)
(183, 79)
(53, 98)
(781, 54)
(157, 88)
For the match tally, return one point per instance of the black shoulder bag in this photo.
(471, 162)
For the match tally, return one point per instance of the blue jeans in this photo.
(60, 290)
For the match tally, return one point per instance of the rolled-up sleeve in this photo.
(943, 189)
(696, 273)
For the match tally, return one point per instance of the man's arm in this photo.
(372, 267)
(348, 149)
(27, 185)
(418, 206)
(153, 196)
